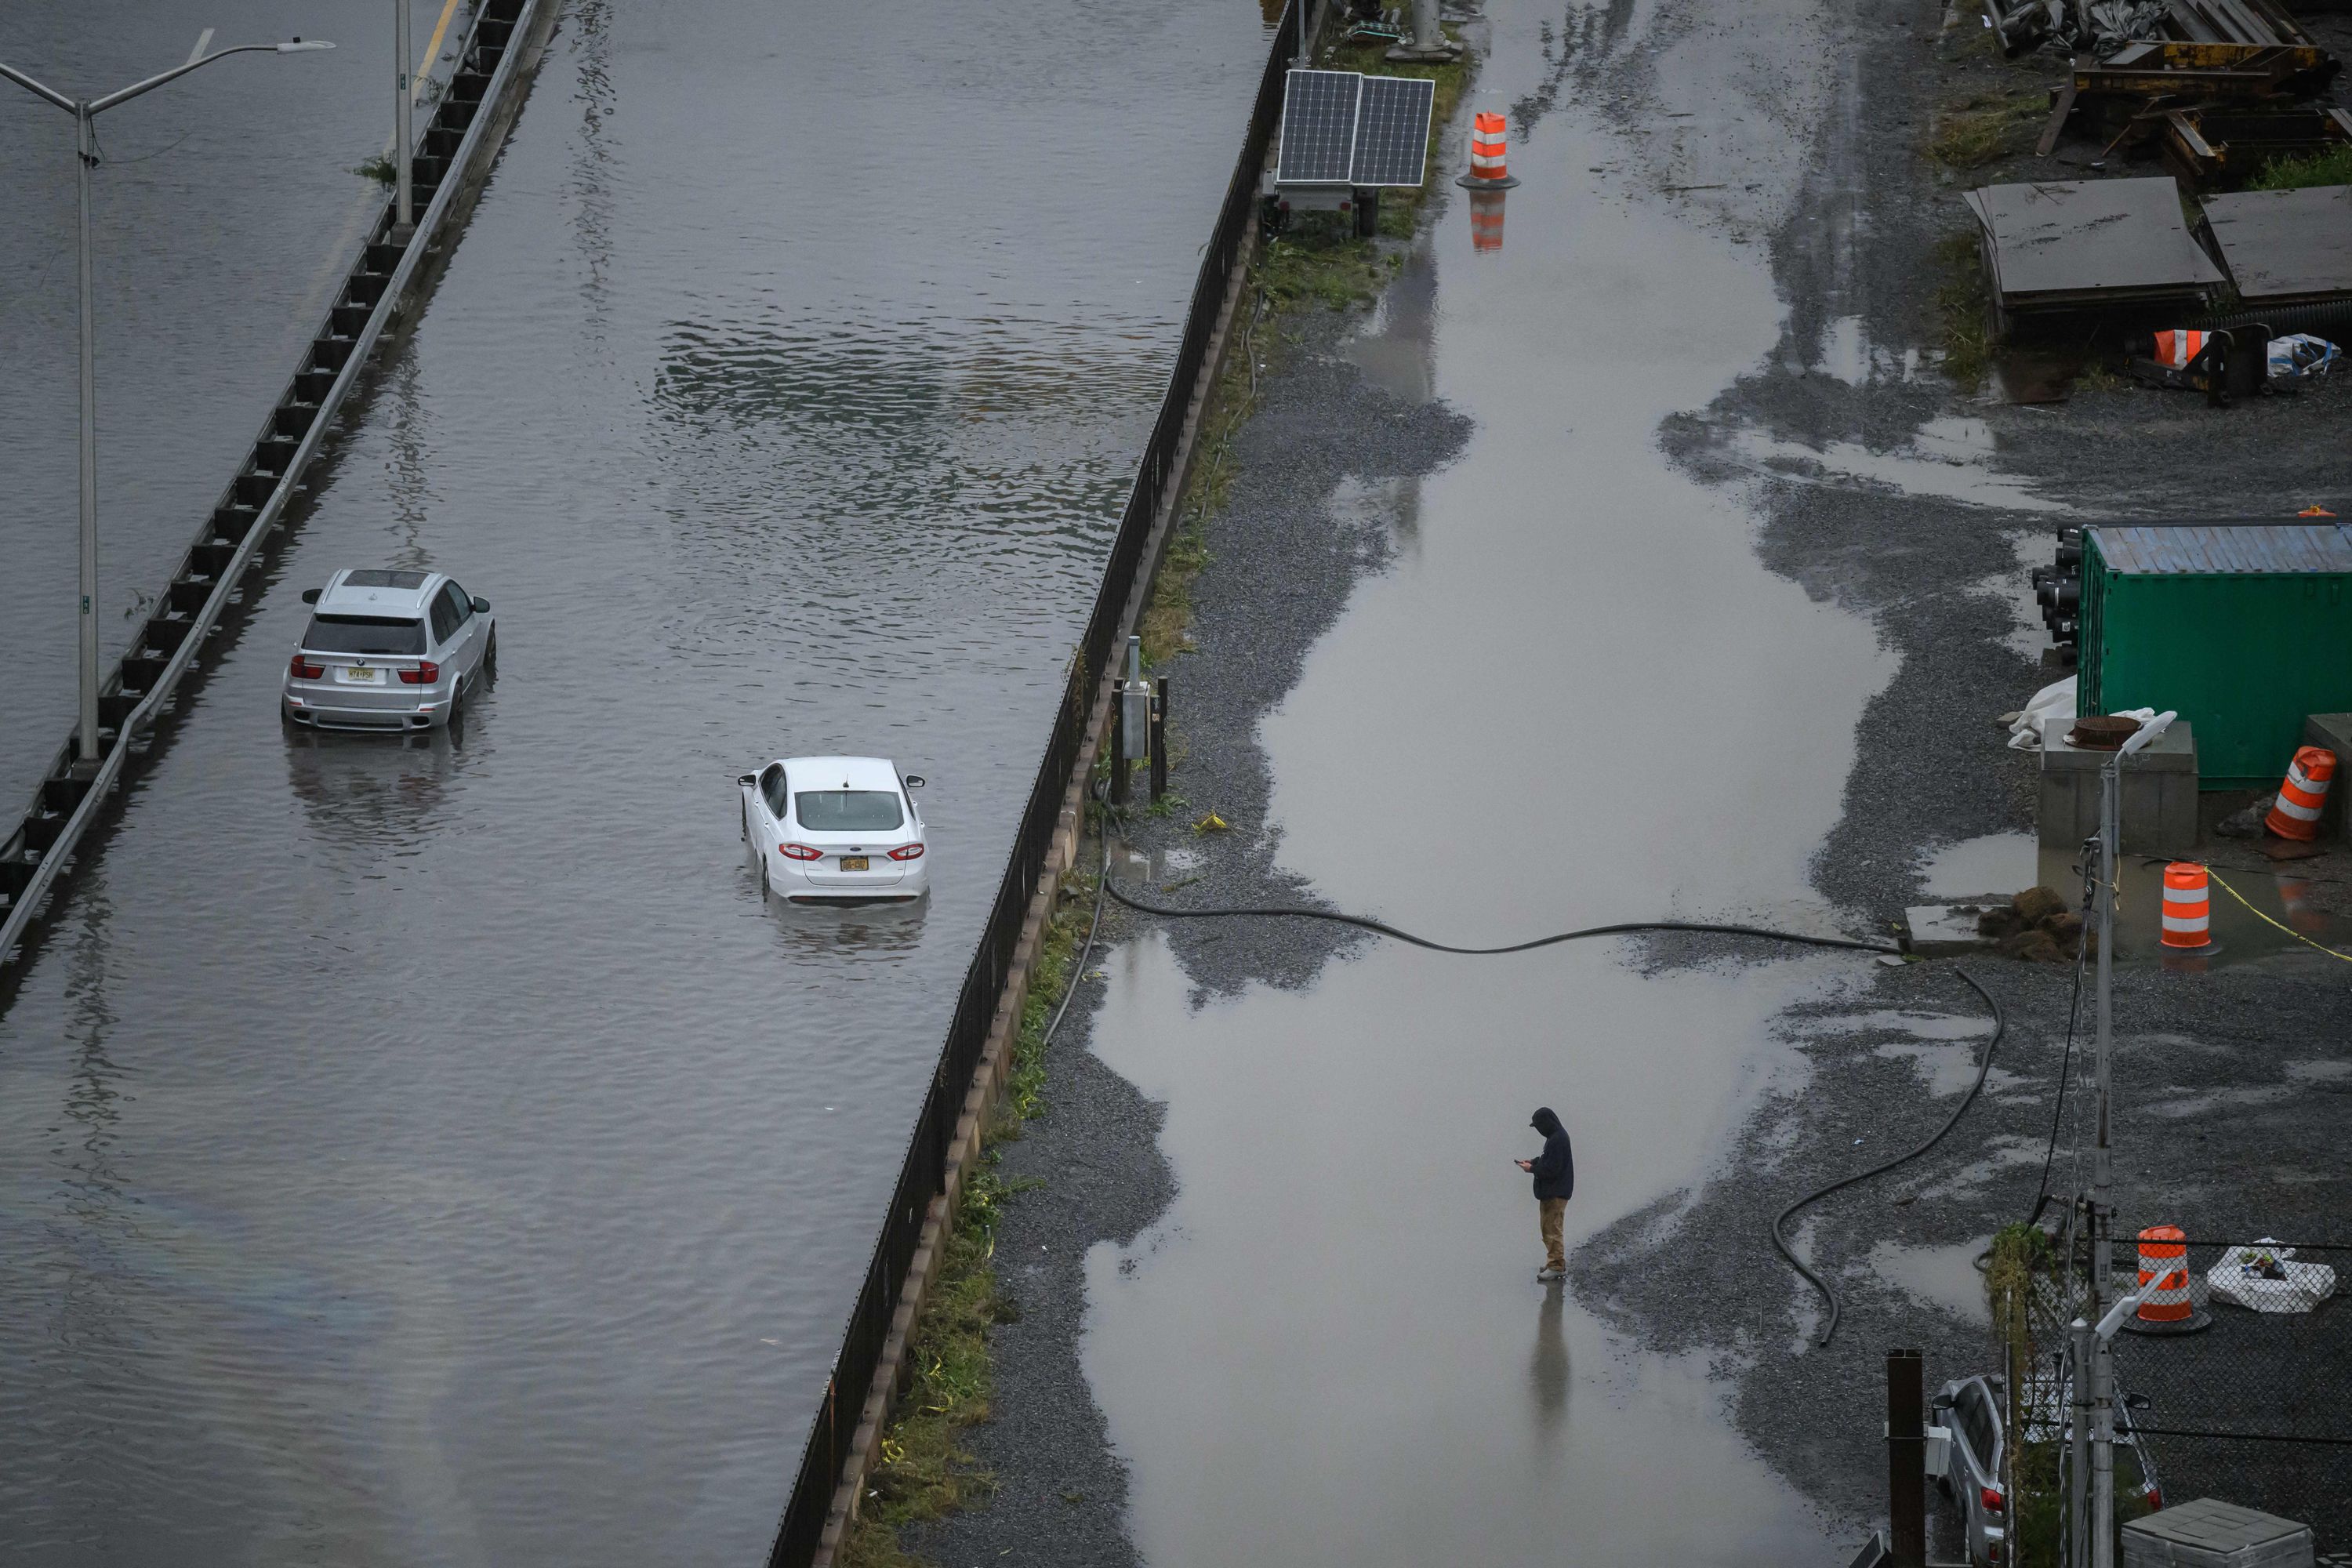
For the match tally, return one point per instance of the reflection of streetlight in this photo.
(84, 111)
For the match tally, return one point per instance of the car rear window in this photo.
(363, 634)
(849, 810)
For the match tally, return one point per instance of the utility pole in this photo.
(85, 111)
(2094, 1359)
(403, 150)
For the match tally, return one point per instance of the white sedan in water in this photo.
(834, 830)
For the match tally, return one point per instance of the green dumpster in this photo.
(2245, 628)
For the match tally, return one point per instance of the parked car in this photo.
(836, 830)
(1967, 1411)
(389, 650)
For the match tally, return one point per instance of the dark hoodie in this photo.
(1555, 1167)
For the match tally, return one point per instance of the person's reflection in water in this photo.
(1548, 1368)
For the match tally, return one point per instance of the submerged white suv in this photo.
(827, 830)
(389, 650)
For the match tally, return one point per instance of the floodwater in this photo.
(221, 222)
(1330, 1350)
(436, 1153)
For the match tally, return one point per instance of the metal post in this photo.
(2103, 1158)
(2103, 1454)
(1906, 1460)
(403, 152)
(1159, 740)
(84, 155)
(1118, 766)
(2079, 1443)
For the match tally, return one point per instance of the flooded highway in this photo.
(436, 1153)
(223, 218)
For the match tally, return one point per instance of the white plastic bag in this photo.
(2266, 1277)
(2052, 701)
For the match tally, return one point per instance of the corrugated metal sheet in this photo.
(2284, 244)
(2242, 549)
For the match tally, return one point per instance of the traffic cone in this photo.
(2295, 813)
(2187, 907)
(1488, 168)
(1486, 220)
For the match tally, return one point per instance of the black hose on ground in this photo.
(1999, 1027)
(1384, 928)
(1078, 969)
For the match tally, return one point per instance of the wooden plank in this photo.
(2059, 110)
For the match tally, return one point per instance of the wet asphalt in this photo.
(1884, 493)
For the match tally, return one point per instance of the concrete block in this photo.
(1944, 931)
(2158, 797)
(2333, 730)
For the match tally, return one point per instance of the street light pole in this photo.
(404, 151)
(84, 112)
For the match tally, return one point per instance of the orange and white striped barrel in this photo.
(2294, 897)
(2295, 813)
(2177, 349)
(2164, 1275)
(1489, 170)
(2187, 906)
(1486, 220)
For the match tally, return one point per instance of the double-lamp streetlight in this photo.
(84, 111)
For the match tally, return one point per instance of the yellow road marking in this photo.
(440, 31)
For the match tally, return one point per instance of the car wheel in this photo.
(767, 888)
(456, 722)
(490, 655)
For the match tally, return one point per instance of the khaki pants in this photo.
(1554, 1213)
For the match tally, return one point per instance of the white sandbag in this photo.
(2266, 1277)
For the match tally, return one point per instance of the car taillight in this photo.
(2155, 1498)
(907, 852)
(1991, 1498)
(799, 852)
(425, 673)
(303, 670)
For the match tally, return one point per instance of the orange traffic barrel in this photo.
(1488, 169)
(1486, 220)
(2164, 1304)
(2187, 906)
(2295, 813)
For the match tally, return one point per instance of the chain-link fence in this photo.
(2230, 1379)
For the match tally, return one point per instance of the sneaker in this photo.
(1547, 1275)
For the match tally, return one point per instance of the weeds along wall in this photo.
(923, 1174)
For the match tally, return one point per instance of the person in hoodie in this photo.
(1555, 1173)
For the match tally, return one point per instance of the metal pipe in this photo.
(1159, 740)
(20, 914)
(2079, 1443)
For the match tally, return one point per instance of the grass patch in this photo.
(380, 168)
(2332, 167)
(1987, 127)
(1964, 306)
(924, 1470)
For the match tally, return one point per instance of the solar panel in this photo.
(1318, 128)
(1392, 130)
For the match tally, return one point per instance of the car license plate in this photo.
(362, 674)
(852, 862)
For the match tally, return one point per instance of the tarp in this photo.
(2285, 244)
(2086, 240)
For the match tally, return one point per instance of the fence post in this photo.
(1906, 1460)
(1159, 740)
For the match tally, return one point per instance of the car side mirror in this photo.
(2137, 1402)
(914, 781)
(748, 780)
(1941, 1401)
(310, 595)
(481, 605)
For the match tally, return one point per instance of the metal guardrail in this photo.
(923, 1174)
(495, 27)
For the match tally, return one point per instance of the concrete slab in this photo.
(2158, 797)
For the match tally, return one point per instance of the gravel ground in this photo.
(2228, 1081)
